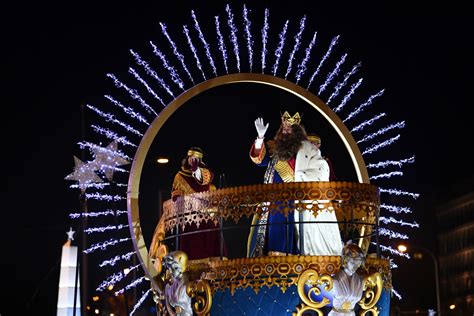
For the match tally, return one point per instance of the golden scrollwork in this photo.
(312, 278)
(372, 291)
(202, 294)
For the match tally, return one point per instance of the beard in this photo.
(287, 145)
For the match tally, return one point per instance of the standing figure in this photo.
(177, 300)
(316, 140)
(348, 286)
(195, 177)
(289, 157)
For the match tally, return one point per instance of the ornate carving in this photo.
(313, 279)
(372, 291)
(201, 292)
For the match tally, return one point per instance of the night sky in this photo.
(421, 56)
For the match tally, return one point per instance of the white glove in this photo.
(261, 127)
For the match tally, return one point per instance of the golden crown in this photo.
(314, 138)
(292, 120)
(195, 153)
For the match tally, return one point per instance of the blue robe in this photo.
(275, 236)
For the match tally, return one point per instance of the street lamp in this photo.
(403, 248)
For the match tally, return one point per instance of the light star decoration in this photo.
(70, 234)
(106, 159)
(83, 173)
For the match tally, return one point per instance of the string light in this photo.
(111, 118)
(349, 95)
(133, 93)
(193, 50)
(221, 45)
(104, 245)
(265, 28)
(341, 84)
(332, 74)
(114, 260)
(175, 51)
(297, 45)
(233, 35)
(172, 71)
(302, 66)
(364, 105)
(204, 42)
(328, 52)
(143, 82)
(248, 36)
(140, 302)
(104, 228)
(279, 49)
(97, 214)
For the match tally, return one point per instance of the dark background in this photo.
(59, 56)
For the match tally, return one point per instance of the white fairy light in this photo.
(133, 284)
(220, 40)
(279, 49)
(382, 131)
(399, 192)
(143, 82)
(127, 110)
(396, 294)
(114, 260)
(332, 74)
(391, 234)
(175, 51)
(94, 185)
(98, 214)
(349, 95)
(386, 175)
(386, 163)
(297, 45)
(140, 302)
(193, 50)
(302, 66)
(393, 251)
(265, 39)
(395, 208)
(133, 93)
(368, 122)
(204, 42)
(112, 135)
(173, 72)
(111, 118)
(248, 36)
(151, 72)
(233, 35)
(103, 229)
(341, 84)
(104, 245)
(364, 105)
(380, 145)
(391, 220)
(328, 52)
(114, 279)
(104, 197)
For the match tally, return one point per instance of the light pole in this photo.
(404, 248)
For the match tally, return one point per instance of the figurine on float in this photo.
(348, 286)
(194, 176)
(178, 302)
